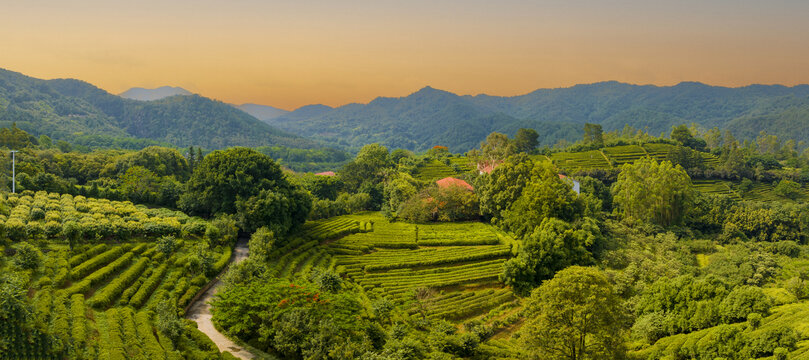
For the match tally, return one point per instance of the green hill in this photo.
(73, 110)
(433, 117)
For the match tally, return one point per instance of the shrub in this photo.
(27, 257)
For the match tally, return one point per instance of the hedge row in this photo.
(94, 263)
(148, 287)
(111, 291)
(439, 260)
(100, 275)
(151, 346)
(79, 329)
(93, 251)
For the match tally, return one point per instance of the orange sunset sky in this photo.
(292, 53)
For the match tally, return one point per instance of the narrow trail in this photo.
(200, 311)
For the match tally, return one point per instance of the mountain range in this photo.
(137, 93)
(431, 117)
(77, 111)
(261, 112)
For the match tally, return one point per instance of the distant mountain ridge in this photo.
(142, 94)
(75, 110)
(261, 112)
(431, 117)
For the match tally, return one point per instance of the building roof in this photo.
(326, 173)
(451, 181)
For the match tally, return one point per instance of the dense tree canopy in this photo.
(225, 176)
(653, 191)
(575, 316)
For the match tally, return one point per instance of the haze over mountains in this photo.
(82, 113)
(431, 117)
(137, 93)
(78, 111)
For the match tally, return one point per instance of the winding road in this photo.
(200, 311)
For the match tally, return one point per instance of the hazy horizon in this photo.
(314, 52)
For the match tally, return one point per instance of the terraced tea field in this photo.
(716, 187)
(456, 264)
(765, 192)
(434, 170)
(620, 155)
(593, 159)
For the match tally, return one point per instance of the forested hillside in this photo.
(73, 110)
(429, 116)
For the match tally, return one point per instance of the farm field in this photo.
(99, 300)
(764, 192)
(716, 187)
(434, 170)
(592, 159)
(455, 266)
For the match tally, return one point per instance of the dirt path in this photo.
(200, 312)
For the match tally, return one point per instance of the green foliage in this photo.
(225, 176)
(553, 246)
(74, 110)
(294, 319)
(787, 189)
(344, 204)
(27, 257)
(593, 134)
(366, 168)
(652, 191)
(545, 196)
(575, 315)
(222, 230)
(526, 140)
(282, 211)
(451, 203)
(167, 321)
(322, 187)
(261, 243)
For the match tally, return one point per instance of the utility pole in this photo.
(13, 171)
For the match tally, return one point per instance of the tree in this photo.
(139, 184)
(498, 190)
(28, 257)
(683, 135)
(496, 148)
(545, 196)
(593, 134)
(685, 157)
(652, 191)
(574, 316)
(72, 232)
(222, 230)
(166, 245)
(553, 245)
(281, 211)
(366, 167)
(398, 189)
(526, 140)
(225, 176)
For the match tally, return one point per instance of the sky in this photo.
(293, 53)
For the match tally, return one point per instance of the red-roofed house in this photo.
(487, 166)
(326, 173)
(451, 181)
